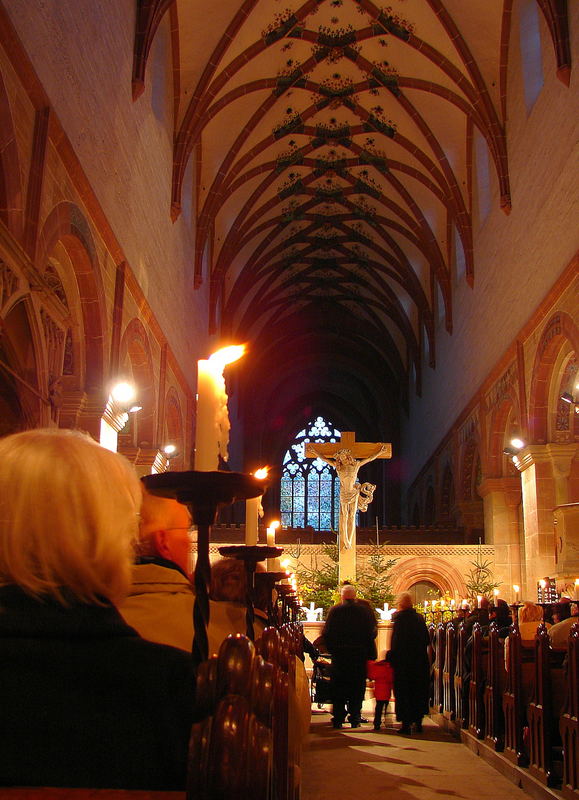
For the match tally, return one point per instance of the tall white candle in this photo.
(516, 590)
(212, 425)
(576, 592)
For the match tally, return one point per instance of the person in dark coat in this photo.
(349, 635)
(85, 701)
(409, 658)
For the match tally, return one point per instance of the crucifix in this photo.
(347, 456)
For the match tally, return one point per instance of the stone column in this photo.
(79, 410)
(145, 460)
(545, 471)
(502, 498)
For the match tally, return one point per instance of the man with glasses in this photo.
(160, 604)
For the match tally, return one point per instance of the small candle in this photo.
(252, 512)
(496, 593)
(576, 593)
(479, 598)
(452, 604)
(516, 590)
(273, 564)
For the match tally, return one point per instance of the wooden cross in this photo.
(360, 450)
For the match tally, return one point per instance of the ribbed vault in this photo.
(331, 144)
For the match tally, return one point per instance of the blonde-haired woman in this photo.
(85, 701)
(530, 617)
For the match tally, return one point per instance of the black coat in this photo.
(85, 702)
(349, 635)
(409, 657)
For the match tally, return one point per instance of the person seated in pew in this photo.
(500, 614)
(559, 633)
(160, 601)
(530, 617)
(86, 702)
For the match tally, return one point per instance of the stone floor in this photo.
(360, 763)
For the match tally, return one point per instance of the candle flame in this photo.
(227, 355)
(261, 474)
(542, 583)
(275, 524)
(515, 587)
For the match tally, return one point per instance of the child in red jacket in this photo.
(382, 674)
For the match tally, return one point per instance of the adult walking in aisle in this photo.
(409, 658)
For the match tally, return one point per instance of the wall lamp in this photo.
(514, 447)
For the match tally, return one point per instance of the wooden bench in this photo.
(449, 697)
(569, 722)
(493, 691)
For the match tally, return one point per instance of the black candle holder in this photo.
(250, 555)
(270, 579)
(203, 493)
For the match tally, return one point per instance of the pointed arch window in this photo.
(310, 488)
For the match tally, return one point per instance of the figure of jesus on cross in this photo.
(347, 456)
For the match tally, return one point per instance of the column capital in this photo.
(510, 485)
(560, 455)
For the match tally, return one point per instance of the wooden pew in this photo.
(476, 712)
(431, 659)
(58, 793)
(569, 722)
(513, 706)
(460, 698)
(493, 692)
(448, 673)
(543, 709)
(438, 668)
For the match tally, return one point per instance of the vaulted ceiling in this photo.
(332, 147)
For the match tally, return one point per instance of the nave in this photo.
(365, 763)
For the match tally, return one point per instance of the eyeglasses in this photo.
(191, 530)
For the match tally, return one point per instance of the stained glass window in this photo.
(310, 488)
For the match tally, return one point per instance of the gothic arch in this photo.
(437, 570)
(67, 225)
(10, 180)
(468, 472)
(507, 413)
(447, 495)
(174, 427)
(21, 384)
(135, 356)
(560, 331)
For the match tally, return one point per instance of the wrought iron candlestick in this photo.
(250, 555)
(203, 493)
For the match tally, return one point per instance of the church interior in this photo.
(380, 203)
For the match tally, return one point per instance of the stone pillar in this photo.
(501, 499)
(145, 460)
(545, 471)
(79, 410)
(472, 518)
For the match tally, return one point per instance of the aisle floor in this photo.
(361, 763)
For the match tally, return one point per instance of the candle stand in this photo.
(203, 493)
(250, 555)
(289, 600)
(269, 580)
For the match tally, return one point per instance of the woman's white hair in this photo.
(68, 516)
